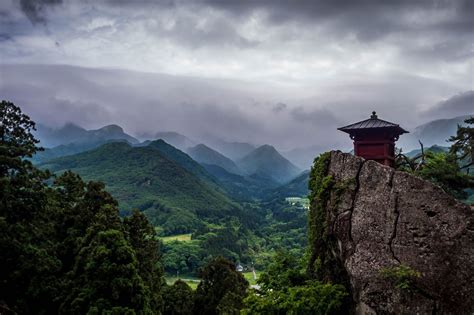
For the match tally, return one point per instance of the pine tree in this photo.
(142, 237)
(106, 276)
(463, 146)
(64, 248)
(179, 299)
(28, 258)
(221, 289)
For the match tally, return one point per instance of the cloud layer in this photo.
(280, 71)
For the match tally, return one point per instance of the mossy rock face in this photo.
(366, 218)
(324, 264)
(342, 195)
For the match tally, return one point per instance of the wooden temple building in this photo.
(374, 139)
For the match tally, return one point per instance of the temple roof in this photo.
(372, 123)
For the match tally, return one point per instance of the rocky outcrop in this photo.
(382, 219)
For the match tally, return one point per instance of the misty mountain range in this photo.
(164, 177)
(436, 132)
(72, 133)
(262, 166)
(209, 110)
(233, 157)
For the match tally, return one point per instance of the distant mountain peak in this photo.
(233, 150)
(160, 143)
(201, 146)
(266, 160)
(112, 128)
(433, 132)
(72, 126)
(267, 148)
(206, 155)
(73, 134)
(175, 139)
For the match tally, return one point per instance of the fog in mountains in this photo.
(229, 156)
(206, 111)
(253, 72)
(257, 72)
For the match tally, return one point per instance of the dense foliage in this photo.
(443, 169)
(179, 299)
(450, 170)
(463, 143)
(64, 247)
(285, 288)
(178, 198)
(311, 298)
(322, 264)
(402, 275)
(221, 290)
(158, 179)
(269, 226)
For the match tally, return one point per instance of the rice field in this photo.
(178, 237)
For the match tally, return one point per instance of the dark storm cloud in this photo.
(446, 50)
(369, 19)
(435, 29)
(34, 9)
(92, 98)
(4, 37)
(457, 105)
(147, 103)
(299, 69)
(420, 29)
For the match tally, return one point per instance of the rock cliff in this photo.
(402, 244)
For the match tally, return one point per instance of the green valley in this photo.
(147, 179)
(198, 211)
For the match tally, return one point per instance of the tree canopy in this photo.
(221, 290)
(463, 143)
(64, 246)
(449, 170)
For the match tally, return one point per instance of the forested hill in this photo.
(298, 187)
(158, 179)
(268, 162)
(182, 159)
(205, 155)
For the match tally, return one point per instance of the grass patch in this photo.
(179, 238)
(191, 281)
(249, 277)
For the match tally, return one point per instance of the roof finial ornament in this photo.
(374, 115)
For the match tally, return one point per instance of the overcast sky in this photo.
(280, 72)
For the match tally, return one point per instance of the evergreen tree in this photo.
(64, 248)
(311, 298)
(463, 146)
(221, 289)
(106, 274)
(28, 259)
(283, 272)
(179, 299)
(449, 170)
(443, 169)
(142, 237)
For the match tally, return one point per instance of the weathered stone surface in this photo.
(382, 218)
